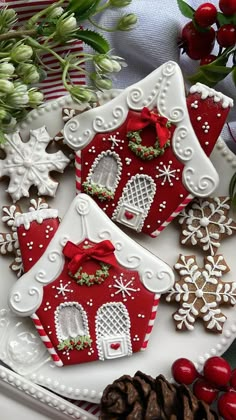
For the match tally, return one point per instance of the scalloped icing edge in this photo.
(42, 396)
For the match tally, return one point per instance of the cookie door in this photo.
(113, 331)
(135, 202)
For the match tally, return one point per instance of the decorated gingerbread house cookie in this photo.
(144, 155)
(94, 292)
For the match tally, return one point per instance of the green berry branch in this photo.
(61, 23)
(209, 27)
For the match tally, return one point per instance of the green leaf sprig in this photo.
(22, 48)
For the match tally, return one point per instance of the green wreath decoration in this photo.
(145, 152)
(80, 342)
(102, 193)
(91, 279)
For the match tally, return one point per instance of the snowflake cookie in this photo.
(28, 164)
(205, 223)
(200, 292)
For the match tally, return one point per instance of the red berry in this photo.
(228, 7)
(208, 59)
(197, 44)
(233, 379)
(226, 35)
(227, 405)
(205, 15)
(204, 391)
(184, 371)
(217, 371)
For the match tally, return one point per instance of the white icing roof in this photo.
(92, 223)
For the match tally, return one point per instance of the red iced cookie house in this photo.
(143, 155)
(94, 292)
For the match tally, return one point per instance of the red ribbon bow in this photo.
(138, 122)
(103, 251)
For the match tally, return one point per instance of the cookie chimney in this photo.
(35, 230)
(208, 110)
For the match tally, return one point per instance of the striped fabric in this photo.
(52, 86)
(88, 406)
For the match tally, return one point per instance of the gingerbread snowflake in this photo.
(9, 240)
(28, 164)
(200, 292)
(205, 223)
(9, 244)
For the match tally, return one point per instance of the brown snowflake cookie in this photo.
(205, 222)
(9, 244)
(200, 292)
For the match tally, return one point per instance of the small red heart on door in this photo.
(115, 346)
(129, 215)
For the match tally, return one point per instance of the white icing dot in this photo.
(199, 293)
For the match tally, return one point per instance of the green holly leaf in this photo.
(185, 9)
(94, 40)
(224, 20)
(232, 186)
(212, 73)
(234, 75)
(215, 73)
(83, 9)
(233, 202)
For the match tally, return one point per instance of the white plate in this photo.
(20, 398)
(22, 350)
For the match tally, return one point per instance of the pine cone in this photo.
(144, 398)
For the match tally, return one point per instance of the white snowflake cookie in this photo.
(28, 164)
(200, 292)
(205, 223)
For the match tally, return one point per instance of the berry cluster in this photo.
(199, 36)
(218, 382)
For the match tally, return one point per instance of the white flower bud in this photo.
(127, 22)
(103, 83)
(100, 82)
(21, 53)
(81, 94)
(28, 73)
(7, 18)
(6, 86)
(103, 63)
(66, 26)
(19, 97)
(5, 117)
(35, 97)
(56, 13)
(116, 66)
(7, 69)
